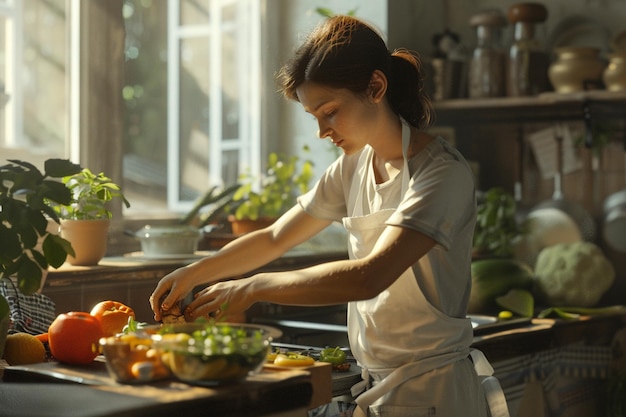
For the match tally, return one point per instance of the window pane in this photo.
(230, 166)
(194, 117)
(187, 100)
(145, 97)
(230, 81)
(4, 97)
(194, 12)
(33, 114)
(44, 75)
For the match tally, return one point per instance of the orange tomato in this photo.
(112, 315)
(73, 338)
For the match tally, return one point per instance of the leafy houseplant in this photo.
(27, 248)
(90, 194)
(85, 219)
(497, 228)
(278, 188)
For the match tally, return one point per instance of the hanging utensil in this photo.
(614, 224)
(518, 188)
(579, 215)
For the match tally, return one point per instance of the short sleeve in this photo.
(327, 199)
(440, 200)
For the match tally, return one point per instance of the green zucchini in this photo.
(492, 278)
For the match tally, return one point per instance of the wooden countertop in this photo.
(90, 392)
(134, 266)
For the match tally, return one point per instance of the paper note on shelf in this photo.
(544, 146)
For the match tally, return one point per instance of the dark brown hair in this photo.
(343, 52)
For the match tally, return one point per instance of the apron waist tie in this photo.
(491, 386)
(493, 391)
(398, 376)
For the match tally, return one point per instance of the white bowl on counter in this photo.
(170, 240)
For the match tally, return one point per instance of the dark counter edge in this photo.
(86, 401)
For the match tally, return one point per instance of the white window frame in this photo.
(13, 113)
(248, 144)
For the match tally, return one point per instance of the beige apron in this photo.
(401, 309)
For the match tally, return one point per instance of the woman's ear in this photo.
(377, 86)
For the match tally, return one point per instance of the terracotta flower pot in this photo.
(88, 239)
(243, 226)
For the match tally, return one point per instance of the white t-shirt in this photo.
(440, 202)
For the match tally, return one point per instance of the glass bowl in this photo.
(131, 358)
(209, 353)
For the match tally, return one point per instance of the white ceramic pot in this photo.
(173, 240)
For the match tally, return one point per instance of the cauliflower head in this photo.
(573, 274)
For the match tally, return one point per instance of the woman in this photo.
(407, 201)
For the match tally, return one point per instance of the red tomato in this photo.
(73, 338)
(112, 315)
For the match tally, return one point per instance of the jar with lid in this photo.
(527, 66)
(488, 62)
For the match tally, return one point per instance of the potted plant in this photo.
(259, 201)
(27, 247)
(497, 227)
(86, 218)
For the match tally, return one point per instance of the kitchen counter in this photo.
(131, 279)
(51, 389)
(551, 354)
(544, 365)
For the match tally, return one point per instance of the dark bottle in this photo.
(527, 69)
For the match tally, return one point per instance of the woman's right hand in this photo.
(170, 290)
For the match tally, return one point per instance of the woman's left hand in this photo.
(220, 300)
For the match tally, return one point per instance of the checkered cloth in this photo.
(29, 313)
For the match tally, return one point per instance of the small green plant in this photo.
(89, 195)
(497, 227)
(26, 195)
(326, 12)
(278, 188)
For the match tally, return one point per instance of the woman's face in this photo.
(344, 117)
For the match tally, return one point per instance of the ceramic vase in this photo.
(576, 69)
(88, 239)
(614, 75)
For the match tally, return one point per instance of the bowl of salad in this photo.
(213, 353)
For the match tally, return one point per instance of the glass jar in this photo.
(488, 61)
(527, 66)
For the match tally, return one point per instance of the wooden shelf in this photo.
(545, 107)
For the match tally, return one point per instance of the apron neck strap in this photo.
(406, 141)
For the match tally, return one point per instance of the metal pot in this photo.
(579, 215)
(614, 225)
